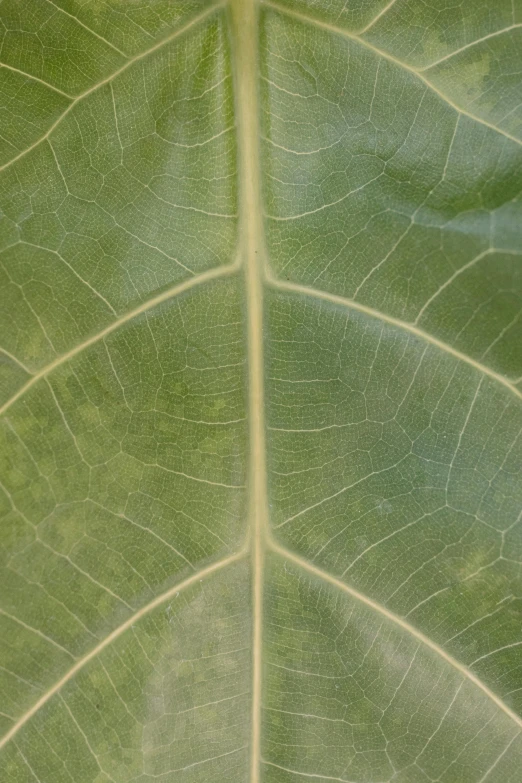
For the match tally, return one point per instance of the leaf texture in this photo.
(260, 389)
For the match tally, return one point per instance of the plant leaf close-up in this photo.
(261, 391)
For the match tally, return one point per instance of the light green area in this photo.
(391, 641)
(420, 33)
(485, 79)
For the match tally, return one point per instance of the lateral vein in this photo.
(283, 285)
(381, 53)
(109, 79)
(36, 79)
(410, 629)
(211, 274)
(160, 599)
(469, 46)
(89, 30)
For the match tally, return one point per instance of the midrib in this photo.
(244, 24)
(245, 64)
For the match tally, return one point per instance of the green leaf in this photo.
(261, 387)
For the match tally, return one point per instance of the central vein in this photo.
(244, 26)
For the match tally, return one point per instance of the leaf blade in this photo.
(192, 593)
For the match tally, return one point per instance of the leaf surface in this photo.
(260, 378)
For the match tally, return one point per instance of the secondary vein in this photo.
(211, 274)
(381, 53)
(160, 599)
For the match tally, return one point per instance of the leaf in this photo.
(261, 391)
